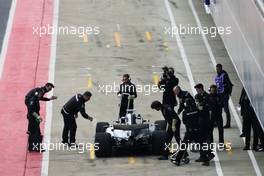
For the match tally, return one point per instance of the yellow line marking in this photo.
(166, 46)
(148, 36)
(89, 83)
(229, 152)
(117, 39)
(155, 79)
(85, 38)
(131, 160)
(92, 154)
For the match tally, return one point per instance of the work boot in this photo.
(164, 157)
(211, 156)
(246, 148)
(199, 160)
(227, 126)
(206, 163)
(242, 135)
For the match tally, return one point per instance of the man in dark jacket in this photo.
(70, 112)
(173, 122)
(216, 106)
(224, 89)
(42, 90)
(167, 82)
(34, 119)
(208, 104)
(182, 96)
(45, 89)
(128, 93)
(204, 129)
(190, 118)
(249, 121)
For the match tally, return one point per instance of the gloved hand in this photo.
(38, 118)
(173, 126)
(90, 118)
(53, 98)
(131, 97)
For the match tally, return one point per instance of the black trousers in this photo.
(250, 124)
(225, 99)
(190, 136)
(35, 137)
(204, 140)
(260, 132)
(69, 128)
(175, 134)
(216, 117)
(123, 107)
(171, 134)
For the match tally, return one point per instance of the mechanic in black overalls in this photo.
(182, 96)
(173, 123)
(204, 129)
(216, 106)
(70, 112)
(45, 89)
(250, 121)
(126, 88)
(34, 119)
(190, 118)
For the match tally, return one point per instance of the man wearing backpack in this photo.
(224, 89)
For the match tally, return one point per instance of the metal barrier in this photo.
(245, 45)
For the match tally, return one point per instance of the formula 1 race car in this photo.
(130, 132)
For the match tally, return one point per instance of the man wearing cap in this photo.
(70, 112)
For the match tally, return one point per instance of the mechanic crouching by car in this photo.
(128, 93)
(167, 82)
(173, 123)
(70, 112)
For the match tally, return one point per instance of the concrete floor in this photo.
(144, 49)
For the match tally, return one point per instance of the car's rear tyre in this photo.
(160, 124)
(103, 141)
(159, 139)
(101, 127)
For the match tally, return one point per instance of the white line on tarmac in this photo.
(189, 72)
(48, 119)
(7, 36)
(231, 104)
(120, 65)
